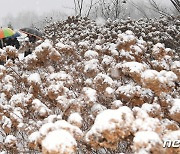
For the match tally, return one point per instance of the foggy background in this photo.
(28, 13)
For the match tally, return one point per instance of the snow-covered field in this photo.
(90, 87)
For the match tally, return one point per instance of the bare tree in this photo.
(78, 5)
(155, 7)
(90, 7)
(84, 8)
(176, 4)
(112, 9)
(139, 8)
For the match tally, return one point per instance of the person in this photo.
(8, 41)
(25, 48)
(32, 38)
(15, 43)
(1, 44)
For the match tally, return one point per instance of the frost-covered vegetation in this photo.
(93, 88)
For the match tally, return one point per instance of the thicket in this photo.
(93, 87)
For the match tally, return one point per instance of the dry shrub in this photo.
(94, 77)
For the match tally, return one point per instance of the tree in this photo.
(139, 8)
(176, 4)
(90, 6)
(113, 9)
(155, 7)
(78, 5)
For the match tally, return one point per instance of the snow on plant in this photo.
(110, 127)
(6, 124)
(56, 137)
(75, 119)
(112, 88)
(162, 81)
(102, 81)
(91, 67)
(134, 94)
(2, 71)
(64, 48)
(59, 141)
(133, 69)
(175, 110)
(11, 52)
(172, 136)
(90, 94)
(175, 67)
(153, 110)
(146, 142)
(143, 122)
(97, 108)
(55, 89)
(40, 108)
(10, 141)
(90, 54)
(34, 79)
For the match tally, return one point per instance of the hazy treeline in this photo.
(114, 9)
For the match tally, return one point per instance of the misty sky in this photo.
(40, 6)
(16, 7)
(13, 7)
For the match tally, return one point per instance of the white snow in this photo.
(17, 114)
(6, 122)
(34, 136)
(60, 45)
(39, 107)
(97, 108)
(34, 78)
(143, 122)
(175, 65)
(59, 141)
(135, 67)
(17, 99)
(167, 77)
(92, 64)
(84, 43)
(117, 104)
(172, 135)
(109, 90)
(56, 88)
(151, 107)
(46, 128)
(75, 118)
(105, 78)
(128, 90)
(90, 54)
(98, 47)
(164, 77)
(61, 75)
(88, 81)
(90, 94)
(73, 130)
(175, 106)
(9, 139)
(146, 137)
(145, 140)
(47, 44)
(121, 118)
(149, 74)
(2, 69)
(107, 60)
(157, 47)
